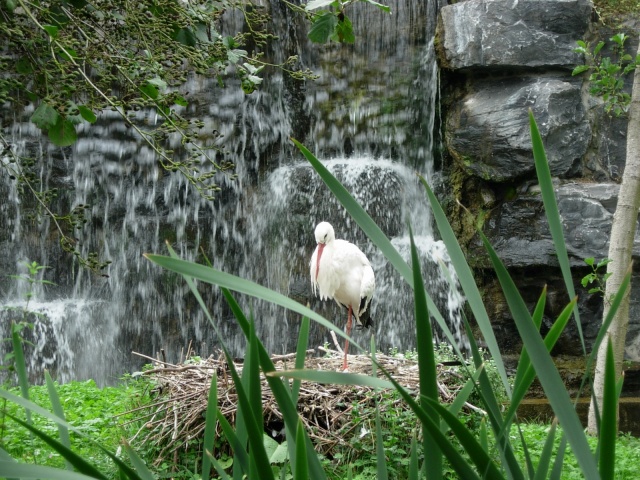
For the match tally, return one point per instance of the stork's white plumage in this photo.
(340, 270)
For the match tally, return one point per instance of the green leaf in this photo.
(24, 66)
(548, 375)
(78, 462)
(87, 114)
(52, 30)
(23, 471)
(210, 426)
(185, 36)
(553, 216)
(343, 32)
(381, 470)
(382, 7)
(301, 464)
(598, 48)
(547, 453)
(323, 27)
(45, 116)
(426, 363)
(179, 100)
(10, 5)
(579, 69)
(609, 421)
(468, 284)
(63, 133)
(63, 432)
(315, 4)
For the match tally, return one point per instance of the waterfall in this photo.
(369, 118)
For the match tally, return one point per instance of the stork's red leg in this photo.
(346, 344)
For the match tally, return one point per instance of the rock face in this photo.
(500, 59)
(502, 34)
(488, 132)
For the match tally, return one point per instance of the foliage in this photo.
(596, 276)
(448, 445)
(71, 60)
(606, 74)
(95, 411)
(334, 24)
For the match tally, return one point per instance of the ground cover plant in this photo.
(448, 446)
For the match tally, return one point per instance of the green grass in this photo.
(627, 452)
(86, 406)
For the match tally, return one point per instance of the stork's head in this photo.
(324, 233)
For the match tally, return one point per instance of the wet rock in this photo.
(488, 131)
(519, 230)
(518, 34)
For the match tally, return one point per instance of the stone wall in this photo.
(499, 59)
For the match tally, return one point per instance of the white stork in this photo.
(340, 270)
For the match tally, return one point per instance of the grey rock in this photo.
(512, 33)
(488, 131)
(520, 234)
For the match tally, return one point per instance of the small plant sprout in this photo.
(596, 277)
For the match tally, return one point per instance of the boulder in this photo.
(511, 33)
(488, 131)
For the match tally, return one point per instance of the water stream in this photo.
(369, 117)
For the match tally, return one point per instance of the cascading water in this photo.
(370, 117)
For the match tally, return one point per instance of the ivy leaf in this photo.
(87, 114)
(323, 27)
(45, 116)
(63, 133)
(153, 87)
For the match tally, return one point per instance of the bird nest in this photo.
(173, 417)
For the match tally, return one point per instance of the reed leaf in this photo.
(78, 462)
(20, 366)
(525, 369)
(210, 427)
(467, 283)
(547, 453)
(414, 470)
(302, 468)
(142, 471)
(27, 471)
(547, 373)
(426, 363)
(381, 461)
(240, 285)
(609, 422)
(63, 433)
(280, 391)
(553, 216)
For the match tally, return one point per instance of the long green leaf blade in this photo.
(63, 433)
(553, 216)
(426, 363)
(237, 284)
(609, 422)
(547, 373)
(210, 427)
(467, 283)
(381, 462)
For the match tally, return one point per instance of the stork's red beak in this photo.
(320, 248)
